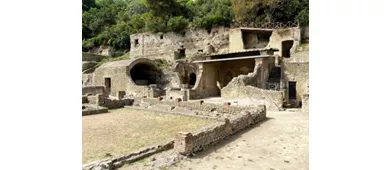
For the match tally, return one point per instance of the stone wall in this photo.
(89, 109)
(187, 143)
(93, 90)
(117, 162)
(164, 45)
(250, 86)
(299, 73)
(235, 40)
(92, 57)
(109, 103)
(230, 69)
(279, 35)
(87, 79)
(208, 107)
(273, 99)
(119, 74)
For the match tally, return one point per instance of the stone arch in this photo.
(143, 72)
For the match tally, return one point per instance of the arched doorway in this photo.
(192, 80)
(144, 74)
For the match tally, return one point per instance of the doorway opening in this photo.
(292, 90)
(192, 80)
(107, 82)
(286, 47)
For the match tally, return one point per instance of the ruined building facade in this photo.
(225, 63)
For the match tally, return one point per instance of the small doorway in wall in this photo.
(286, 47)
(192, 80)
(292, 90)
(107, 84)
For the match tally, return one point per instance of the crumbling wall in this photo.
(184, 70)
(206, 83)
(187, 143)
(164, 45)
(249, 86)
(117, 162)
(230, 69)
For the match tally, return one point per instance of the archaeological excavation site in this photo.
(176, 96)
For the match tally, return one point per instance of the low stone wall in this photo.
(93, 90)
(273, 99)
(115, 103)
(93, 109)
(117, 162)
(99, 100)
(208, 107)
(91, 57)
(187, 143)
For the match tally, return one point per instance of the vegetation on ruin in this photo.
(162, 63)
(110, 22)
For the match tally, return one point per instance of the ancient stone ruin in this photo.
(233, 75)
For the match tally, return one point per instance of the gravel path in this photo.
(281, 142)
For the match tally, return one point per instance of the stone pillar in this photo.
(263, 75)
(183, 143)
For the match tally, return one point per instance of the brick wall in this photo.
(190, 142)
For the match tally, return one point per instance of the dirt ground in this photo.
(281, 142)
(125, 130)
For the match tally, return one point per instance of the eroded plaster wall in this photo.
(235, 40)
(206, 83)
(119, 73)
(252, 84)
(230, 69)
(164, 45)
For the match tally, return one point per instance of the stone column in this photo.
(263, 76)
(183, 143)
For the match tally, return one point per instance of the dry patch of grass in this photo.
(125, 130)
